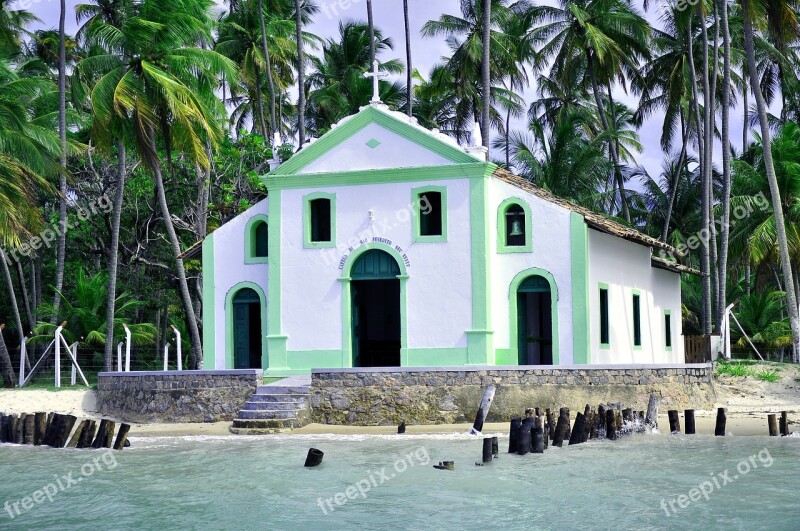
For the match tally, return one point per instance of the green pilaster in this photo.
(276, 340)
(209, 305)
(579, 236)
(480, 340)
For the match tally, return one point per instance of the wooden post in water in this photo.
(88, 435)
(483, 409)
(561, 428)
(40, 428)
(401, 428)
(105, 434)
(578, 430)
(30, 429)
(495, 446)
(674, 421)
(689, 417)
(314, 457)
(719, 429)
(76, 437)
(611, 425)
(538, 436)
(524, 436)
(487, 450)
(601, 422)
(4, 422)
(651, 420)
(587, 424)
(19, 429)
(772, 422)
(551, 425)
(784, 423)
(640, 424)
(565, 412)
(627, 420)
(513, 434)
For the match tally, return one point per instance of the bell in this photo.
(516, 228)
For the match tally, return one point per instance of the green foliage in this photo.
(733, 369)
(768, 376)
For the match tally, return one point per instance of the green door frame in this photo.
(347, 303)
(513, 316)
(229, 362)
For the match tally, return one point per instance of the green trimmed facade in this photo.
(390, 245)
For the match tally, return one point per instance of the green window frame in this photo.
(253, 248)
(605, 324)
(636, 303)
(316, 233)
(668, 330)
(503, 227)
(427, 229)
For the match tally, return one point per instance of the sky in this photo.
(426, 52)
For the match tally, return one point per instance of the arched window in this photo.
(256, 240)
(514, 226)
(319, 220)
(261, 244)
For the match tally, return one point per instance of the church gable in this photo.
(375, 139)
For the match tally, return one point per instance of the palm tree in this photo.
(112, 13)
(268, 66)
(371, 24)
(61, 245)
(749, 13)
(486, 80)
(301, 77)
(163, 84)
(726, 159)
(610, 35)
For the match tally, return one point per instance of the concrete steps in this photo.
(273, 408)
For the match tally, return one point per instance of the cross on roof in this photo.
(376, 76)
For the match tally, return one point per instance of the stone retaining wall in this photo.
(175, 396)
(446, 395)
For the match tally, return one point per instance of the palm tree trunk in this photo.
(301, 99)
(604, 122)
(409, 80)
(183, 285)
(12, 295)
(705, 203)
(6, 368)
(26, 300)
(747, 274)
(113, 257)
(486, 85)
(777, 204)
(61, 246)
(674, 191)
(371, 26)
(260, 107)
(623, 198)
(270, 81)
(726, 160)
(746, 123)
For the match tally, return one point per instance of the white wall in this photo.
(551, 252)
(439, 287)
(625, 266)
(230, 269)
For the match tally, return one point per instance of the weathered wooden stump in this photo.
(88, 435)
(587, 424)
(578, 430)
(5, 420)
(611, 425)
(76, 437)
(564, 411)
(495, 446)
(561, 428)
(487, 450)
(314, 457)
(651, 420)
(513, 434)
(719, 429)
(30, 429)
(551, 425)
(772, 422)
(674, 421)
(784, 424)
(601, 421)
(524, 437)
(40, 428)
(105, 434)
(401, 428)
(59, 430)
(483, 409)
(640, 423)
(689, 417)
(19, 429)
(538, 436)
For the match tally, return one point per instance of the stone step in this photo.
(295, 398)
(265, 414)
(255, 424)
(274, 406)
(280, 389)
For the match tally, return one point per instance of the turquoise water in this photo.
(260, 483)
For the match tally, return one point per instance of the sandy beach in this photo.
(747, 398)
